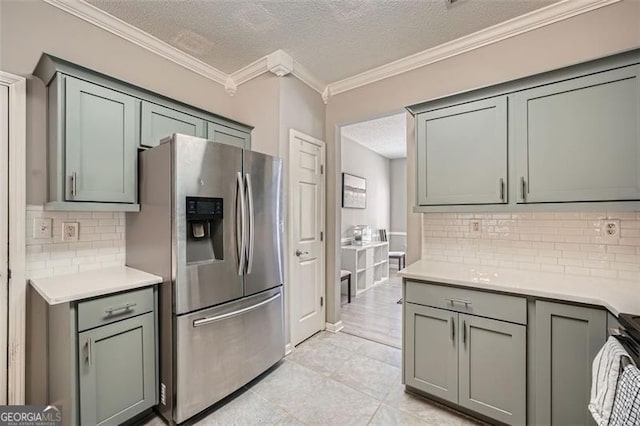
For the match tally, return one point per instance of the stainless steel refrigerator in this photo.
(211, 224)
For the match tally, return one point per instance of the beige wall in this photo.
(599, 33)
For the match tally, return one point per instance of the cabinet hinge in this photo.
(8, 274)
(321, 236)
(321, 169)
(321, 301)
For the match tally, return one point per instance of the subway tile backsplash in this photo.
(561, 242)
(101, 243)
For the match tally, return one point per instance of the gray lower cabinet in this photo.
(117, 377)
(431, 353)
(158, 122)
(567, 340)
(493, 368)
(223, 134)
(99, 143)
(95, 358)
(477, 363)
(591, 123)
(462, 154)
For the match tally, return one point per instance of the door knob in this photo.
(300, 253)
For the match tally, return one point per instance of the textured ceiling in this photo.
(387, 136)
(333, 39)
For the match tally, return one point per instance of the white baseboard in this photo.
(334, 328)
(288, 348)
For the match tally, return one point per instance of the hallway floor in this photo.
(331, 379)
(375, 314)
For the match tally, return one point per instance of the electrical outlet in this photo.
(610, 230)
(69, 231)
(41, 228)
(475, 226)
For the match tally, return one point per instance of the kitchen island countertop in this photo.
(618, 296)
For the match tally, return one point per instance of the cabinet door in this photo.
(579, 140)
(100, 143)
(431, 355)
(493, 368)
(223, 134)
(462, 154)
(158, 122)
(117, 370)
(566, 342)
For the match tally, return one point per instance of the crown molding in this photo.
(110, 23)
(538, 18)
(280, 63)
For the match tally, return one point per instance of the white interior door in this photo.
(306, 257)
(4, 239)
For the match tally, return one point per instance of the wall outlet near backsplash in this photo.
(610, 231)
(70, 231)
(475, 226)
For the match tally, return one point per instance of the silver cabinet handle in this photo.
(74, 184)
(251, 221)
(453, 330)
(301, 253)
(502, 189)
(240, 239)
(125, 307)
(464, 332)
(88, 357)
(209, 320)
(523, 187)
(466, 303)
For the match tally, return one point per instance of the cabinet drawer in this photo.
(484, 304)
(108, 309)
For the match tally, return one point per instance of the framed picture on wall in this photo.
(354, 192)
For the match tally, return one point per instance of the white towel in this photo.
(604, 378)
(626, 406)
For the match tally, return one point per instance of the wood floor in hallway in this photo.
(376, 314)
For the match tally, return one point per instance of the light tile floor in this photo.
(375, 314)
(331, 379)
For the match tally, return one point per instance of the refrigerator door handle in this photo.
(251, 232)
(240, 236)
(209, 320)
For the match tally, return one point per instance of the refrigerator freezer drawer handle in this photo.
(251, 222)
(209, 320)
(241, 239)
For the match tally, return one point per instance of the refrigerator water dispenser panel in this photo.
(205, 225)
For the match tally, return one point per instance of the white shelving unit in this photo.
(368, 264)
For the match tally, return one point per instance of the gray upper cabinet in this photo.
(95, 126)
(431, 352)
(117, 371)
(493, 368)
(567, 340)
(100, 143)
(158, 122)
(223, 134)
(579, 139)
(462, 154)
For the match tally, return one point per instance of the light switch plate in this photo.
(41, 228)
(70, 231)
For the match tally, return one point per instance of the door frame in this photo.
(17, 211)
(290, 257)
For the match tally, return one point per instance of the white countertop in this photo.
(618, 296)
(83, 285)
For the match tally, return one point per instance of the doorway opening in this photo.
(373, 227)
